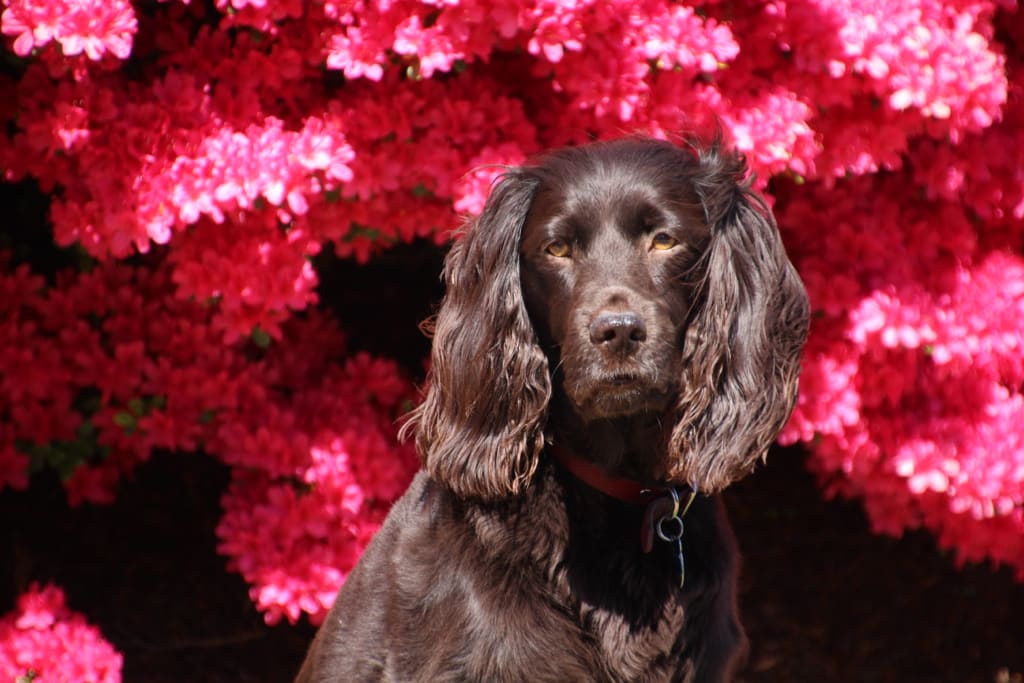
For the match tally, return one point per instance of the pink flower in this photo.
(94, 27)
(230, 152)
(44, 639)
(35, 24)
(921, 340)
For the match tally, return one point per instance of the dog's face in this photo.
(611, 258)
(639, 282)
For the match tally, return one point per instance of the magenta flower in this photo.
(93, 27)
(45, 640)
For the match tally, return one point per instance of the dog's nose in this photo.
(618, 332)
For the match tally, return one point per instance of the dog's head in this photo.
(632, 280)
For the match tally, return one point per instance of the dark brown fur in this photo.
(666, 366)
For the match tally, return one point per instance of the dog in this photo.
(619, 340)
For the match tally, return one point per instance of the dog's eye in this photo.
(559, 249)
(663, 240)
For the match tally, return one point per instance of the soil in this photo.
(822, 598)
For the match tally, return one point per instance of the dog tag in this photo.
(663, 519)
(670, 529)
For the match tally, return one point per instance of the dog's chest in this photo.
(549, 637)
(575, 603)
(617, 612)
(642, 644)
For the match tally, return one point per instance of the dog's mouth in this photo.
(619, 394)
(622, 380)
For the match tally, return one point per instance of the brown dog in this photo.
(621, 328)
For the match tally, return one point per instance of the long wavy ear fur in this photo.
(742, 347)
(480, 429)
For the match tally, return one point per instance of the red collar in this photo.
(595, 477)
(661, 505)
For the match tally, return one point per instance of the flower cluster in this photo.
(43, 641)
(108, 365)
(913, 384)
(92, 27)
(314, 476)
(230, 142)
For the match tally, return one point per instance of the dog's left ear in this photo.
(480, 429)
(741, 354)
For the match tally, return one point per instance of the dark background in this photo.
(822, 598)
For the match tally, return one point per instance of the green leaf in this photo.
(260, 338)
(357, 230)
(420, 191)
(125, 420)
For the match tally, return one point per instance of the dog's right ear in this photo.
(480, 429)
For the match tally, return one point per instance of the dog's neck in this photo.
(631, 448)
(597, 478)
(660, 507)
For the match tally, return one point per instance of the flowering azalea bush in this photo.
(42, 641)
(196, 156)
